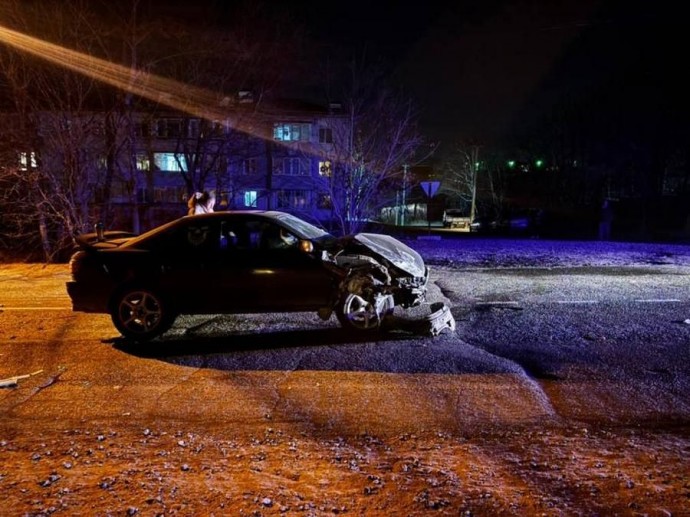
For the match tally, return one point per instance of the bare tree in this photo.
(473, 179)
(153, 52)
(237, 66)
(56, 136)
(459, 170)
(376, 136)
(496, 189)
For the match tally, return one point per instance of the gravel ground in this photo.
(506, 253)
(177, 470)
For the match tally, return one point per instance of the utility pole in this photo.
(474, 168)
(404, 197)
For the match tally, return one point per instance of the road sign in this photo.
(430, 187)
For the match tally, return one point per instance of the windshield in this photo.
(302, 228)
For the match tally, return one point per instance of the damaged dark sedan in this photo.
(242, 262)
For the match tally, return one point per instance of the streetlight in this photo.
(404, 200)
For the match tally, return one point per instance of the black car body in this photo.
(241, 262)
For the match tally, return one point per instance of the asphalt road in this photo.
(608, 345)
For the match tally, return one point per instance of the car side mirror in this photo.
(306, 246)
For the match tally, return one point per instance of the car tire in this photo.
(356, 313)
(140, 314)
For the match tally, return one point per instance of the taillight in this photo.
(75, 264)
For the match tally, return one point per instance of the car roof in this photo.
(271, 214)
(267, 213)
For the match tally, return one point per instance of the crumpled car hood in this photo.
(400, 255)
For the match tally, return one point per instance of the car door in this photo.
(191, 266)
(268, 270)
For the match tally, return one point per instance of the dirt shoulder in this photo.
(168, 468)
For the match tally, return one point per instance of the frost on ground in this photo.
(505, 253)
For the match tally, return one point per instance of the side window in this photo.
(240, 235)
(274, 237)
(228, 236)
(187, 240)
(255, 235)
(195, 239)
(199, 237)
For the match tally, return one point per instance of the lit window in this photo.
(169, 162)
(250, 197)
(27, 160)
(292, 132)
(143, 163)
(325, 169)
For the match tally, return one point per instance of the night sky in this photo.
(486, 69)
(489, 69)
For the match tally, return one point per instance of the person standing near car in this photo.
(201, 203)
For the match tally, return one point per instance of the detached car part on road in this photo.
(242, 262)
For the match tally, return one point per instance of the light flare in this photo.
(174, 94)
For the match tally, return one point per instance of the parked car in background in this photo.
(519, 223)
(241, 262)
(483, 225)
(456, 219)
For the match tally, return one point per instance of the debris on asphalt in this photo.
(12, 382)
(440, 319)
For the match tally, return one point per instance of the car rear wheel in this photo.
(140, 314)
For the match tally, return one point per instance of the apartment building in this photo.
(274, 156)
(140, 167)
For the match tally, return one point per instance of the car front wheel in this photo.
(140, 314)
(358, 313)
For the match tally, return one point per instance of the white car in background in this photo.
(456, 219)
